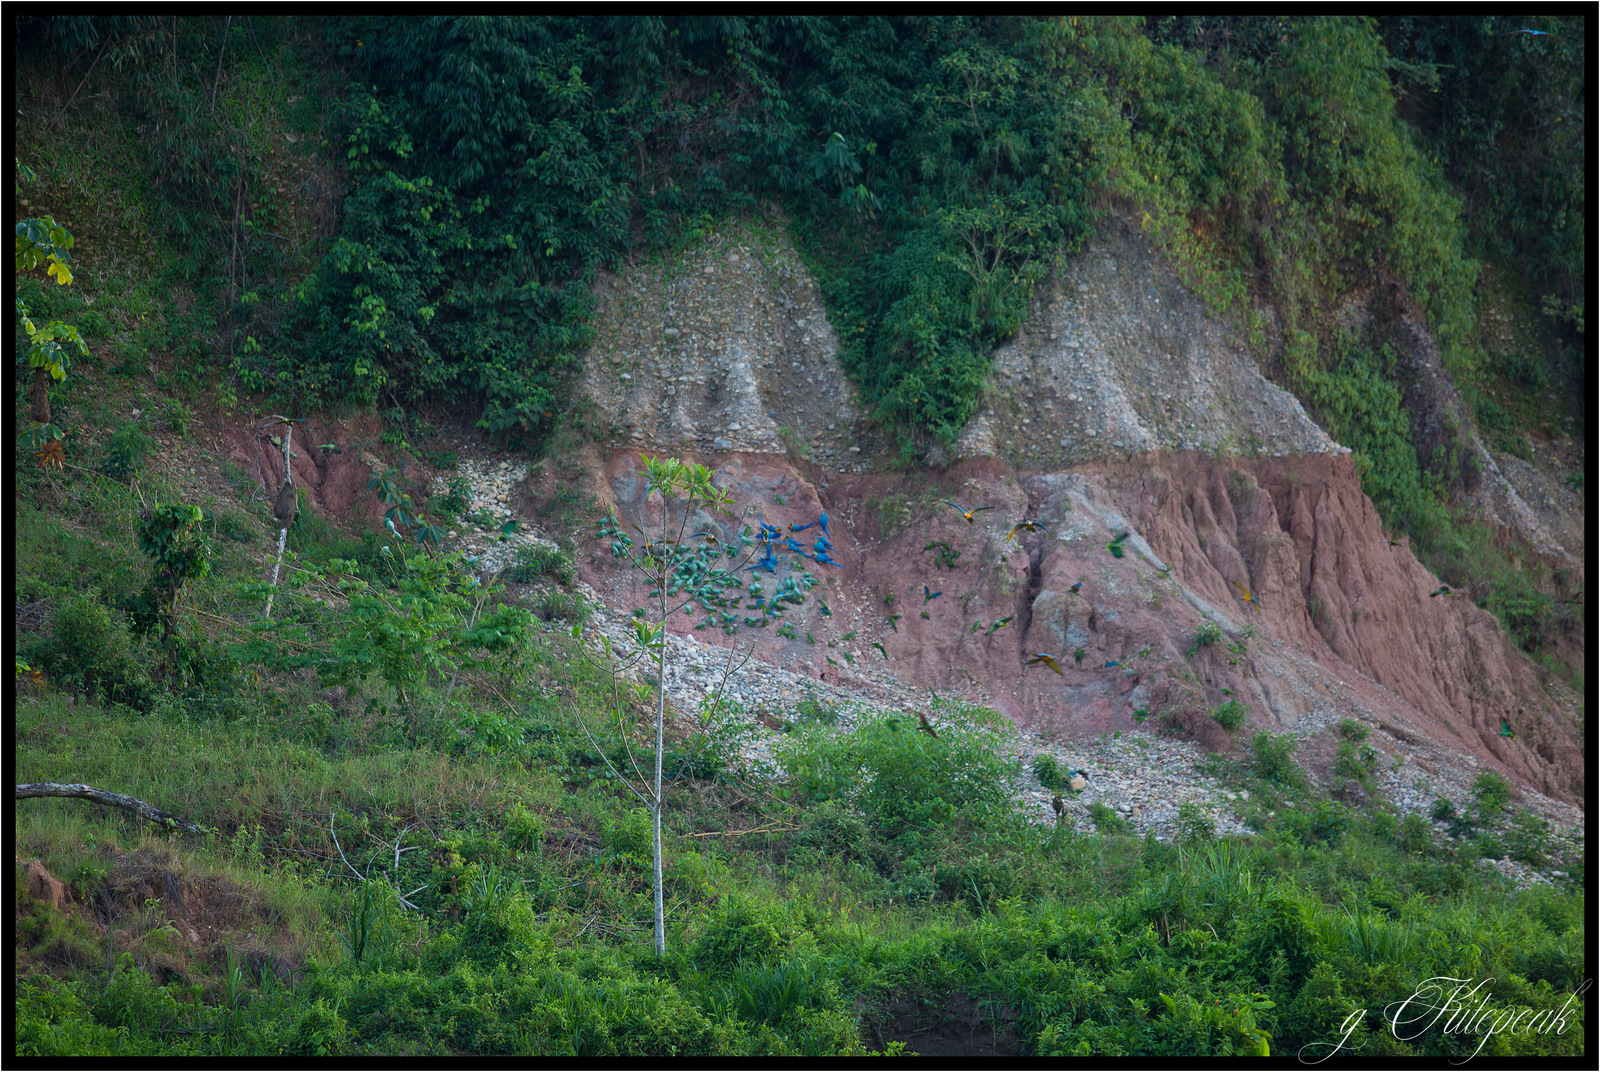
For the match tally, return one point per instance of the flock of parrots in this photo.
(789, 592)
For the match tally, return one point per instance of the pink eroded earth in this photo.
(1345, 625)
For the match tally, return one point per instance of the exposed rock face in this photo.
(720, 349)
(1172, 434)
(335, 482)
(1118, 359)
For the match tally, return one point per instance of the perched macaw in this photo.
(822, 543)
(822, 557)
(928, 596)
(1031, 526)
(999, 625)
(1048, 660)
(1249, 596)
(1110, 665)
(1115, 546)
(800, 528)
(965, 512)
(796, 548)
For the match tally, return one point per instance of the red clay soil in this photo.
(1345, 621)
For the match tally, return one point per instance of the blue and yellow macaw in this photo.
(965, 512)
(1031, 526)
(1249, 596)
(1048, 660)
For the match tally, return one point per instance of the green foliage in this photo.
(1048, 771)
(126, 450)
(434, 620)
(1492, 792)
(90, 651)
(368, 930)
(1231, 715)
(1351, 730)
(543, 560)
(173, 537)
(1209, 633)
(1107, 820)
(1274, 759)
(1194, 825)
(905, 783)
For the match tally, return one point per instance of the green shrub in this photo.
(125, 451)
(90, 651)
(1231, 715)
(1194, 825)
(1274, 759)
(1527, 838)
(905, 781)
(834, 829)
(1208, 633)
(537, 560)
(1106, 820)
(558, 606)
(1492, 792)
(1048, 771)
(1351, 730)
(742, 931)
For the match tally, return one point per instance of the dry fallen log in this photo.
(113, 800)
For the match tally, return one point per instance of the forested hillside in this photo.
(254, 253)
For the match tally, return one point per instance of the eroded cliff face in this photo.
(1346, 626)
(1120, 407)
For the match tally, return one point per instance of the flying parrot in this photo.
(1249, 596)
(1031, 526)
(965, 512)
(1115, 546)
(1048, 660)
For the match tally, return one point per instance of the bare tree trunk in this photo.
(655, 810)
(283, 533)
(113, 800)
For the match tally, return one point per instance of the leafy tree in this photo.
(44, 242)
(173, 537)
(680, 575)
